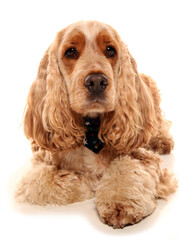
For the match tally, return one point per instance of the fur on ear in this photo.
(131, 124)
(49, 121)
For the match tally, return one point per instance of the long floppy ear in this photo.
(133, 120)
(49, 121)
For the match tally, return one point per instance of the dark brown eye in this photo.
(72, 53)
(110, 52)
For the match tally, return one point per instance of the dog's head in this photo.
(88, 59)
(88, 70)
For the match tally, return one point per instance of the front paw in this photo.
(161, 145)
(119, 215)
(127, 192)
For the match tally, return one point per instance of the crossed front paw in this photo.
(119, 215)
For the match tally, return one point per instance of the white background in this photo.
(157, 34)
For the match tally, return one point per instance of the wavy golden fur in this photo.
(125, 175)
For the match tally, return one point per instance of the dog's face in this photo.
(88, 70)
(88, 59)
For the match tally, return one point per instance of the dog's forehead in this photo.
(90, 29)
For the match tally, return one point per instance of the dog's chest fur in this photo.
(82, 160)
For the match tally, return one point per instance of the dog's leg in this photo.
(130, 187)
(46, 184)
(162, 142)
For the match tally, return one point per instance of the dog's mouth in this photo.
(96, 106)
(97, 97)
(98, 103)
(95, 103)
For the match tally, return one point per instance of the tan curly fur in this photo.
(125, 176)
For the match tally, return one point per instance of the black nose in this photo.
(96, 82)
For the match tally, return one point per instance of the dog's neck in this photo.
(91, 140)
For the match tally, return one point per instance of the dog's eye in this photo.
(110, 52)
(71, 53)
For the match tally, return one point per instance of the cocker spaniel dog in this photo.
(95, 124)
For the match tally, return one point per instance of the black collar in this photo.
(91, 141)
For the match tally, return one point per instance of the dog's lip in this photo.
(96, 98)
(97, 101)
